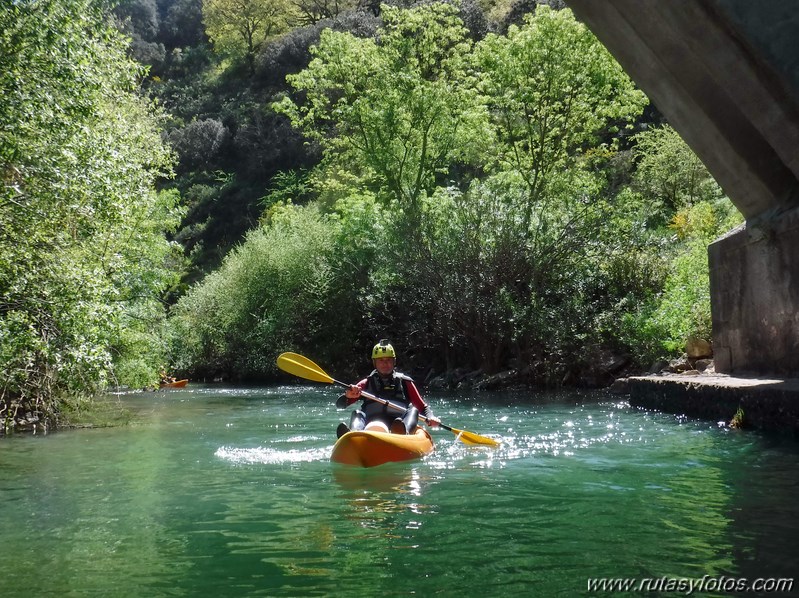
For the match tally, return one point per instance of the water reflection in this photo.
(386, 501)
(392, 477)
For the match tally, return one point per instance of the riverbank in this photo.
(104, 411)
(762, 403)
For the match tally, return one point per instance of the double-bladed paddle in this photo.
(303, 367)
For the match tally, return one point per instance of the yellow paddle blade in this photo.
(303, 367)
(472, 438)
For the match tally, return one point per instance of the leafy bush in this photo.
(182, 25)
(82, 250)
(272, 293)
(199, 142)
(669, 175)
(672, 177)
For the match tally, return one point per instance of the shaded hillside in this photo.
(236, 157)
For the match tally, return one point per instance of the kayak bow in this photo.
(175, 384)
(369, 449)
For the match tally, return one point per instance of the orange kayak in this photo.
(175, 384)
(368, 449)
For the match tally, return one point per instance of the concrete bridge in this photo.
(726, 75)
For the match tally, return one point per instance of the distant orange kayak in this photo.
(175, 384)
(369, 449)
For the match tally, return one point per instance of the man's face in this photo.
(384, 365)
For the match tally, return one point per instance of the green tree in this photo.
(395, 110)
(239, 28)
(553, 90)
(313, 11)
(417, 110)
(529, 234)
(682, 210)
(669, 174)
(83, 256)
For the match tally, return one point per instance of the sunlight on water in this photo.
(269, 455)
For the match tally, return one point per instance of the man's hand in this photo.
(433, 421)
(353, 392)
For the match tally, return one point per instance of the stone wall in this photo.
(767, 405)
(754, 283)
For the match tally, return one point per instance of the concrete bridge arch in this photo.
(726, 75)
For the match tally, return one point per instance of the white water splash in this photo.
(271, 456)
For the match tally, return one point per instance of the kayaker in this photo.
(386, 383)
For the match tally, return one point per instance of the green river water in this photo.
(221, 491)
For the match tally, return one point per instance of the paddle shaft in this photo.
(470, 437)
(386, 402)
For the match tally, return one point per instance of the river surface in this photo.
(221, 491)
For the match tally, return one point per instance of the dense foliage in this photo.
(683, 210)
(240, 27)
(477, 180)
(82, 249)
(484, 205)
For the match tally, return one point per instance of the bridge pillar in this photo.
(726, 75)
(754, 287)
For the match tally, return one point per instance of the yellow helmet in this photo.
(383, 349)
